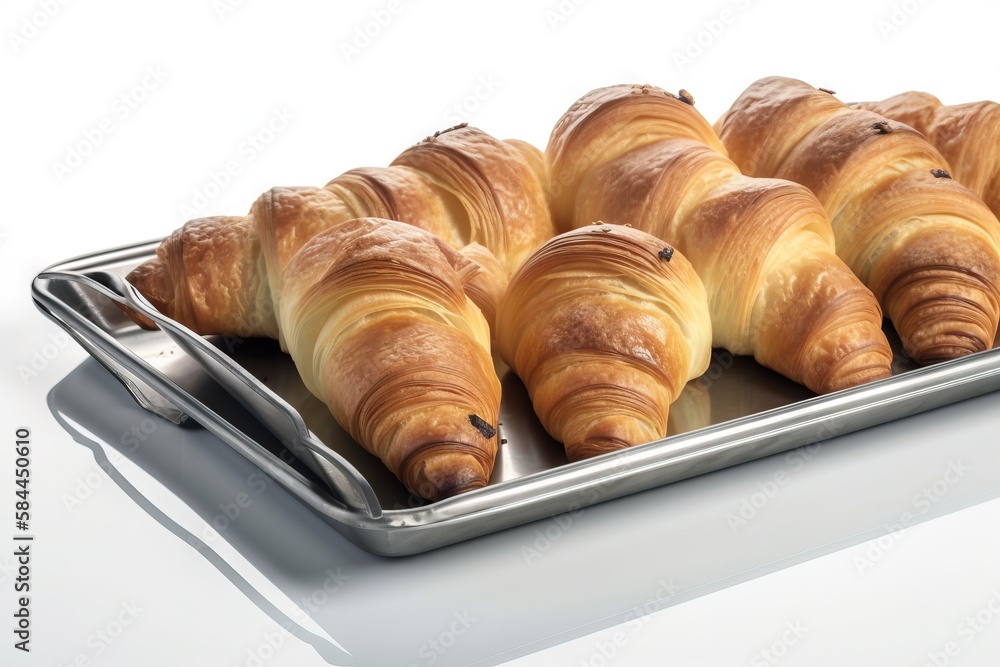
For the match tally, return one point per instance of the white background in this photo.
(199, 78)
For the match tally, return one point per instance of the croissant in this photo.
(376, 318)
(223, 275)
(763, 248)
(967, 135)
(604, 325)
(241, 276)
(926, 246)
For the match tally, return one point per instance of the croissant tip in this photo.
(952, 347)
(594, 446)
(857, 376)
(138, 318)
(152, 279)
(146, 278)
(441, 473)
(940, 329)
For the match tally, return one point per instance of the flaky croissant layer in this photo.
(925, 245)
(376, 318)
(479, 195)
(763, 247)
(967, 135)
(223, 274)
(605, 325)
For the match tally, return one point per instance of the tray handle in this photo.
(274, 413)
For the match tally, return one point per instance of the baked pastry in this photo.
(475, 208)
(763, 248)
(604, 325)
(967, 135)
(925, 245)
(375, 316)
(379, 318)
(222, 275)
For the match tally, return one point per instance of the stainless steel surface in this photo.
(278, 416)
(681, 541)
(736, 412)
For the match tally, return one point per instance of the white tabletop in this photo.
(157, 545)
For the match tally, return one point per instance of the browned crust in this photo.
(639, 156)
(922, 242)
(605, 325)
(375, 316)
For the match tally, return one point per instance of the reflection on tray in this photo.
(679, 538)
(732, 387)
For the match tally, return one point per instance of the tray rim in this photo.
(572, 486)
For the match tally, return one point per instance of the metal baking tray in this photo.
(249, 394)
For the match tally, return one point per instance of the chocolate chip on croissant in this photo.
(604, 333)
(375, 315)
(763, 247)
(967, 135)
(925, 245)
(474, 208)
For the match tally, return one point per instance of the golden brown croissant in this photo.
(967, 135)
(223, 274)
(375, 315)
(232, 275)
(926, 246)
(604, 325)
(763, 248)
